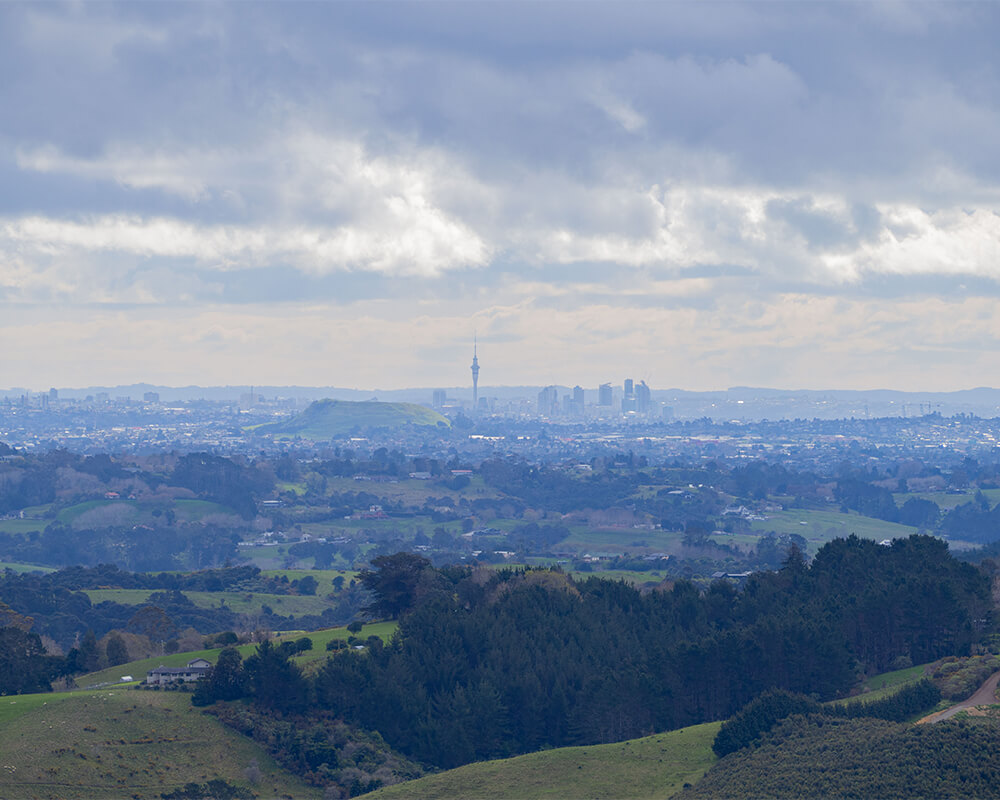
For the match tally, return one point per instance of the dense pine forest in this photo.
(487, 664)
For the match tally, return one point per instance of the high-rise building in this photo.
(628, 399)
(548, 401)
(604, 395)
(475, 374)
(440, 398)
(643, 398)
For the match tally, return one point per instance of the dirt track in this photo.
(983, 697)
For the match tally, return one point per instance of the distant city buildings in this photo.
(548, 401)
(643, 398)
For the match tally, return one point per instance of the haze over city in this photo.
(697, 195)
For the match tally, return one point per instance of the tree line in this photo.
(487, 664)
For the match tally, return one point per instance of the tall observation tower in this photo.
(475, 376)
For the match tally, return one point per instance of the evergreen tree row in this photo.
(489, 664)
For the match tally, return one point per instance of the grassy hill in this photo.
(239, 602)
(653, 767)
(125, 743)
(820, 527)
(138, 669)
(326, 418)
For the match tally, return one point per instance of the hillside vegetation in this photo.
(324, 419)
(820, 757)
(102, 744)
(652, 767)
(138, 668)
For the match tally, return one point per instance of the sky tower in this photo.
(475, 376)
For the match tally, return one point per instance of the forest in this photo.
(491, 663)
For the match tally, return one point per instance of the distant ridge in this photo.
(324, 419)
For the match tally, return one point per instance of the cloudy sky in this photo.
(699, 194)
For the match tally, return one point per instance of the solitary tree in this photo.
(115, 650)
(225, 681)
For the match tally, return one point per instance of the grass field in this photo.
(138, 669)
(620, 540)
(653, 767)
(410, 491)
(378, 528)
(630, 576)
(947, 501)
(887, 683)
(134, 513)
(820, 527)
(122, 743)
(23, 525)
(238, 602)
(24, 567)
(323, 576)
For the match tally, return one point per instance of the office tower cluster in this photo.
(631, 399)
(634, 398)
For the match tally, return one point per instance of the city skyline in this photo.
(797, 196)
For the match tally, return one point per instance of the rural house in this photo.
(163, 675)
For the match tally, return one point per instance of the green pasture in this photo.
(138, 669)
(70, 514)
(413, 492)
(742, 541)
(13, 707)
(404, 527)
(323, 576)
(125, 743)
(946, 501)
(11, 565)
(237, 602)
(887, 683)
(251, 602)
(194, 510)
(620, 540)
(820, 527)
(635, 577)
(136, 513)
(23, 525)
(656, 766)
(384, 630)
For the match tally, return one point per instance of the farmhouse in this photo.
(163, 675)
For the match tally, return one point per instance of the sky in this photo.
(701, 195)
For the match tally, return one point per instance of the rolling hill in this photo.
(656, 766)
(326, 418)
(127, 743)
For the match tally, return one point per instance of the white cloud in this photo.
(399, 230)
(129, 166)
(916, 242)
(413, 240)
